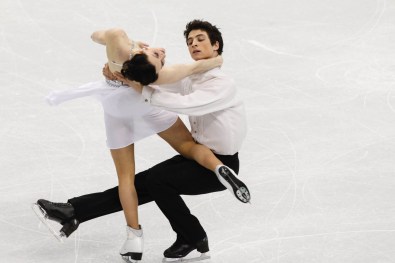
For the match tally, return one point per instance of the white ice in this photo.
(318, 81)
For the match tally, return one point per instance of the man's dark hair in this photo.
(139, 69)
(212, 31)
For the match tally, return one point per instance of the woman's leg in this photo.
(132, 248)
(182, 141)
(124, 164)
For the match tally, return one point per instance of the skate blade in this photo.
(243, 194)
(42, 215)
(203, 257)
(129, 259)
(236, 187)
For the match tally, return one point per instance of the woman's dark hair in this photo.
(139, 69)
(212, 31)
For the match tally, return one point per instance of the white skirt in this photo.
(127, 117)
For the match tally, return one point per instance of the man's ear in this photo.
(216, 46)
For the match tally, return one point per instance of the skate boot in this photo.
(180, 249)
(231, 181)
(132, 249)
(62, 213)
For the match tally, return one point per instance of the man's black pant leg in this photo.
(94, 205)
(184, 177)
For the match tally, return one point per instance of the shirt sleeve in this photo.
(209, 96)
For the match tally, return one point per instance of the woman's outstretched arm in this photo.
(174, 73)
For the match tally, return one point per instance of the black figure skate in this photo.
(180, 251)
(62, 213)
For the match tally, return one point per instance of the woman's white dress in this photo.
(127, 117)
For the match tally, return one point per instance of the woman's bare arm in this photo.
(177, 72)
(99, 37)
(118, 46)
(103, 36)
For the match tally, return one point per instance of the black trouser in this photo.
(163, 183)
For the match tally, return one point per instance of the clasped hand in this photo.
(118, 76)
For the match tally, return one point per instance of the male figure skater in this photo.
(217, 120)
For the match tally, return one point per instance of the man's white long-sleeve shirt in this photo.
(216, 116)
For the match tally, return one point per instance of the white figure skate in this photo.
(132, 249)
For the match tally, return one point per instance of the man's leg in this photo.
(85, 207)
(167, 183)
(90, 206)
(94, 205)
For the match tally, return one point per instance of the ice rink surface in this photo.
(318, 81)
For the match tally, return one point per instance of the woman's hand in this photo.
(141, 44)
(220, 60)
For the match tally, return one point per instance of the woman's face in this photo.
(156, 56)
(199, 45)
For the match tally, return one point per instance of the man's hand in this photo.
(107, 73)
(131, 83)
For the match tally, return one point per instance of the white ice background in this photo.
(318, 81)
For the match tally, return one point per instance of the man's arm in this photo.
(213, 95)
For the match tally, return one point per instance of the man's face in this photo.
(199, 45)
(156, 56)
